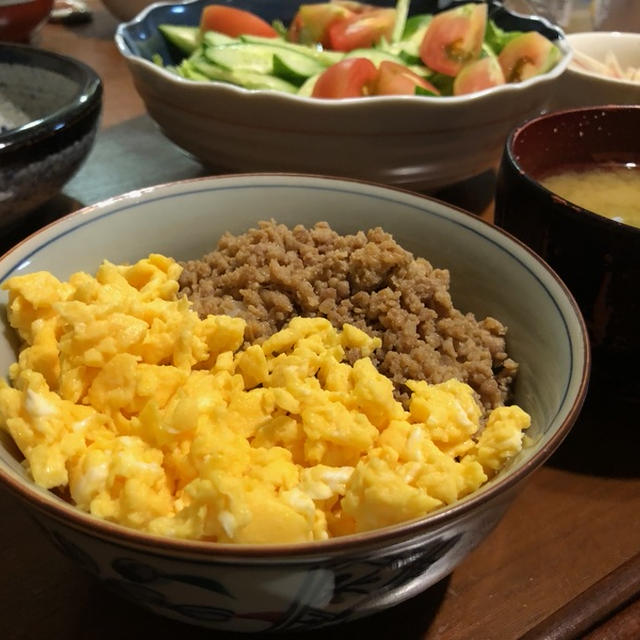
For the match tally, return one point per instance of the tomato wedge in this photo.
(478, 75)
(396, 79)
(349, 78)
(234, 22)
(311, 22)
(361, 30)
(453, 38)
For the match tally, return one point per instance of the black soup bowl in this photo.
(598, 258)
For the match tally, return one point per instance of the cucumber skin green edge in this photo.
(246, 79)
(186, 39)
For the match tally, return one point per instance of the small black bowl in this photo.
(50, 107)
(598, 258)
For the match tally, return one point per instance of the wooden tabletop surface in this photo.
(563, 563)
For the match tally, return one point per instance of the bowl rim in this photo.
(585, 214)
(123, 44)
(73, 517)
(87, 96)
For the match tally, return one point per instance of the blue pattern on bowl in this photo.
(338, 591)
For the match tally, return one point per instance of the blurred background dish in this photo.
(126, 9)
(70, 12)
(558, 11)
(616, 15)
(601, 69)
(49, 112)
(305, 585)
(598, 258)
(419, 142)
(20, 20)
(583, 15)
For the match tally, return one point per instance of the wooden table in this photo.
(544, 571)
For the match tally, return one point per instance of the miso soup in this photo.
(612, 191)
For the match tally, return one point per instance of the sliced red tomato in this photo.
(396, 79)
(361, 30)
(234, 22)
(311, 22)
(453, 38)
(349, 78)
(526, 56)
(478, 75)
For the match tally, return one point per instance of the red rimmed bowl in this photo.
(598, 258)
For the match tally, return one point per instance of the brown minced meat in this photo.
(273, 273)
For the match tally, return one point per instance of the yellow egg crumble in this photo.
(155, 419)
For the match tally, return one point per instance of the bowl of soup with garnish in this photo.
(568, 186)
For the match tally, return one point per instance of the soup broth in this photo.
(612, 191)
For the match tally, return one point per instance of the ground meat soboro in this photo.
(271, 274)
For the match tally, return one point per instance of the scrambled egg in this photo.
(153, 418)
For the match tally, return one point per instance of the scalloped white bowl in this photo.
(303, 586)
(411, 141)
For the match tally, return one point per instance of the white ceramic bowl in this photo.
(582, 88)
(296, 587)
(412, 141)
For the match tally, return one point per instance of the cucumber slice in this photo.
(327, 58)
(250, 80)
(487, 51)
(288, 64)
(416, 23)
(443, 83)
(211, 71)
(186, 70)
(186, 39)
(375, 55)
(409, 47)
(254, 58)
(242, 78)
(380, 55)
(402, 11)
(295, 67)
(307, 87)
(216, 39)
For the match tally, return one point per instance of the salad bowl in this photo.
(415, 141)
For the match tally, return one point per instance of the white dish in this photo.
(411, 141)
(301, 586)
(583, 88)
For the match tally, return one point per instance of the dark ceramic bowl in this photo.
(598, 258)
(49, 112)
